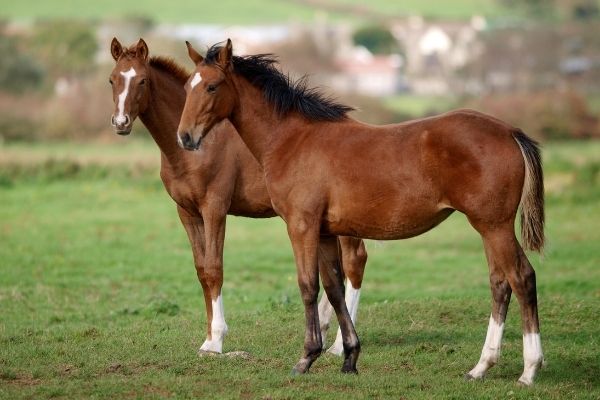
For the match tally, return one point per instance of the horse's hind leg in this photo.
(501, 291)
(523, 282)
(332, 278)
(354, 259)
(325, 313)
(509, 263)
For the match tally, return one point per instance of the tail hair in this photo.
(532, 197)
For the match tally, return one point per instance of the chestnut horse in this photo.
(224, 178)
(328, 174)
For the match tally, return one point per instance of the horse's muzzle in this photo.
(122, 126)
(186, 141)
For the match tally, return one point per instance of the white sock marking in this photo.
(120, 118)
(218, 328)
(352, 298)
(196, 80)
(491, 349)
(325, 313)
(532, 357)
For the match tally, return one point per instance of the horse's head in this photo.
(129, 81)
(211, 95)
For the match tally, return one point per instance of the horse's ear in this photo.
(194, 55)
(116, 49)
(224, 57)
(141, 50)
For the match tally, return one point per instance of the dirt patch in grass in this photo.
(19, 379)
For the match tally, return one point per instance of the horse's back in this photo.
(411, 175)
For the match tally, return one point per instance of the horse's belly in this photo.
(385, 220)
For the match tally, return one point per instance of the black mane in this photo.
(280, 90)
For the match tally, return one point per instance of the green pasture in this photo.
(99, 297)
(417, 106)
(246, 12)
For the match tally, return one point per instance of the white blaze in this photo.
(532, 357)
(120, 118)
(196, 80)
(352, 297)
(218, 328)
(491, 349)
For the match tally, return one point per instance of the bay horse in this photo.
(329, 174)
(224, 178)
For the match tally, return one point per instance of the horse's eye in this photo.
(143, 82)
(211, 88)
(110, 81)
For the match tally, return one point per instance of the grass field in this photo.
(417, 106)
(256, 11)
(99, 298)
(245, 12)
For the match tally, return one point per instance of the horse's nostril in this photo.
(126, 119)
(112, 120)
(187, 138)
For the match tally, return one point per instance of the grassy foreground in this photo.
(99, 298)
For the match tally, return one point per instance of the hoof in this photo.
(349, 370)
(297, 372)
(524, 383)
(301, 367)
(469, 377)
(207, 353)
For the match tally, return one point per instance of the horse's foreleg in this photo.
(332, 278)
(194, 227)
(304, 236)
(354, 259)
(212, 275)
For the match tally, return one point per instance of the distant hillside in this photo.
(247, 11)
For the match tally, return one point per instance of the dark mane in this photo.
(280, 90)
(169, 66)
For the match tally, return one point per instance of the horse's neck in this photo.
(256, 121)
(162, 115)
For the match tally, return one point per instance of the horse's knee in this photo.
(202, 276)
(298, 227)
(308, 292)
(210, 274)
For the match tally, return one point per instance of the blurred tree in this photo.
(65, 47)
(533, 8)
(585, 9)
(18, 70)
(142, 23)
(539, 9)
(377, 39)
(544, 9)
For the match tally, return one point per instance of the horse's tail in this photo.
(532, 197)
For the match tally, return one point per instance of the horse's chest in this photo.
(185, 194)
